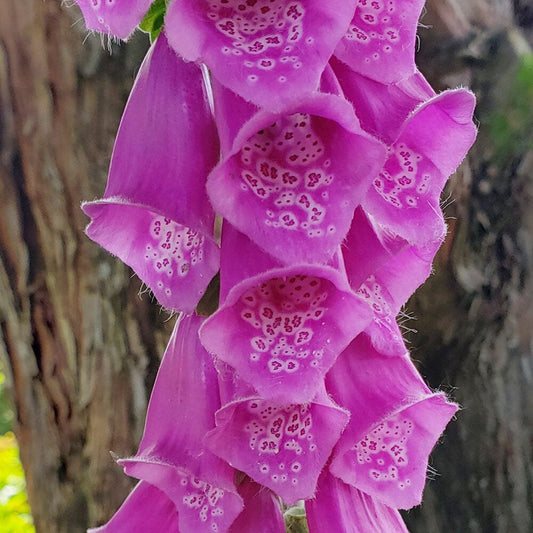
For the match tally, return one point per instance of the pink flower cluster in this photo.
(306, 127)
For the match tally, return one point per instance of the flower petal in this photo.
(376, 264)
(202, 507)
(283, 447)
(282, 329)
(171, 455)
(396, 421)
(146, 509)
(167, 238)
(382, 108)
(174, 260)
(380, 41)
(388, 290)
(116, 17)
(292, 180)
(267, 51)
(262, 510)
(340, 507)
(433, 142)
(368, 250)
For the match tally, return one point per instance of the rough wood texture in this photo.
(82, 348)
(474, 315)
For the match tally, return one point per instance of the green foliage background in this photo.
(15, 514)
(511, 126)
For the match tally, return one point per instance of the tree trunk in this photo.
(82, 349)
(474, 315)
(79, 345)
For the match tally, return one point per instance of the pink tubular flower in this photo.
(396, 421)
(267, 51)
(380, 41)
(282, 328)
(367, 248)
(281, 446)
(376, 263)
(171, 455)
(116, 17)
(340, 507)
(382, 108)
(291, 180)
(155, 214)
(146, 509)
(388, 289)
(431, 144)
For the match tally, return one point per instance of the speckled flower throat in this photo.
(305, 127)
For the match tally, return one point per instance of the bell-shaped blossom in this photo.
(115, 17)
(171, 455)
(292, 180)
(155, 214)
(373, 258)
(262, 510)
(341, 507)
(281, 329)
(376, 264)
(281, 446)
(395, 422)
(146, 509)
(405, 196)
(267, 51)
(388, 290)
(368, 247)
(380, 41)
(382, 108)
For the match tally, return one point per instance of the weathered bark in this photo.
(474, 316)
(80, 347)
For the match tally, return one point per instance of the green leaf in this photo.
(152, 23)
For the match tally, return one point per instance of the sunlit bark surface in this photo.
(79, 346)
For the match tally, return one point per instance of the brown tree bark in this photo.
(82, 349)
(474, 315)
